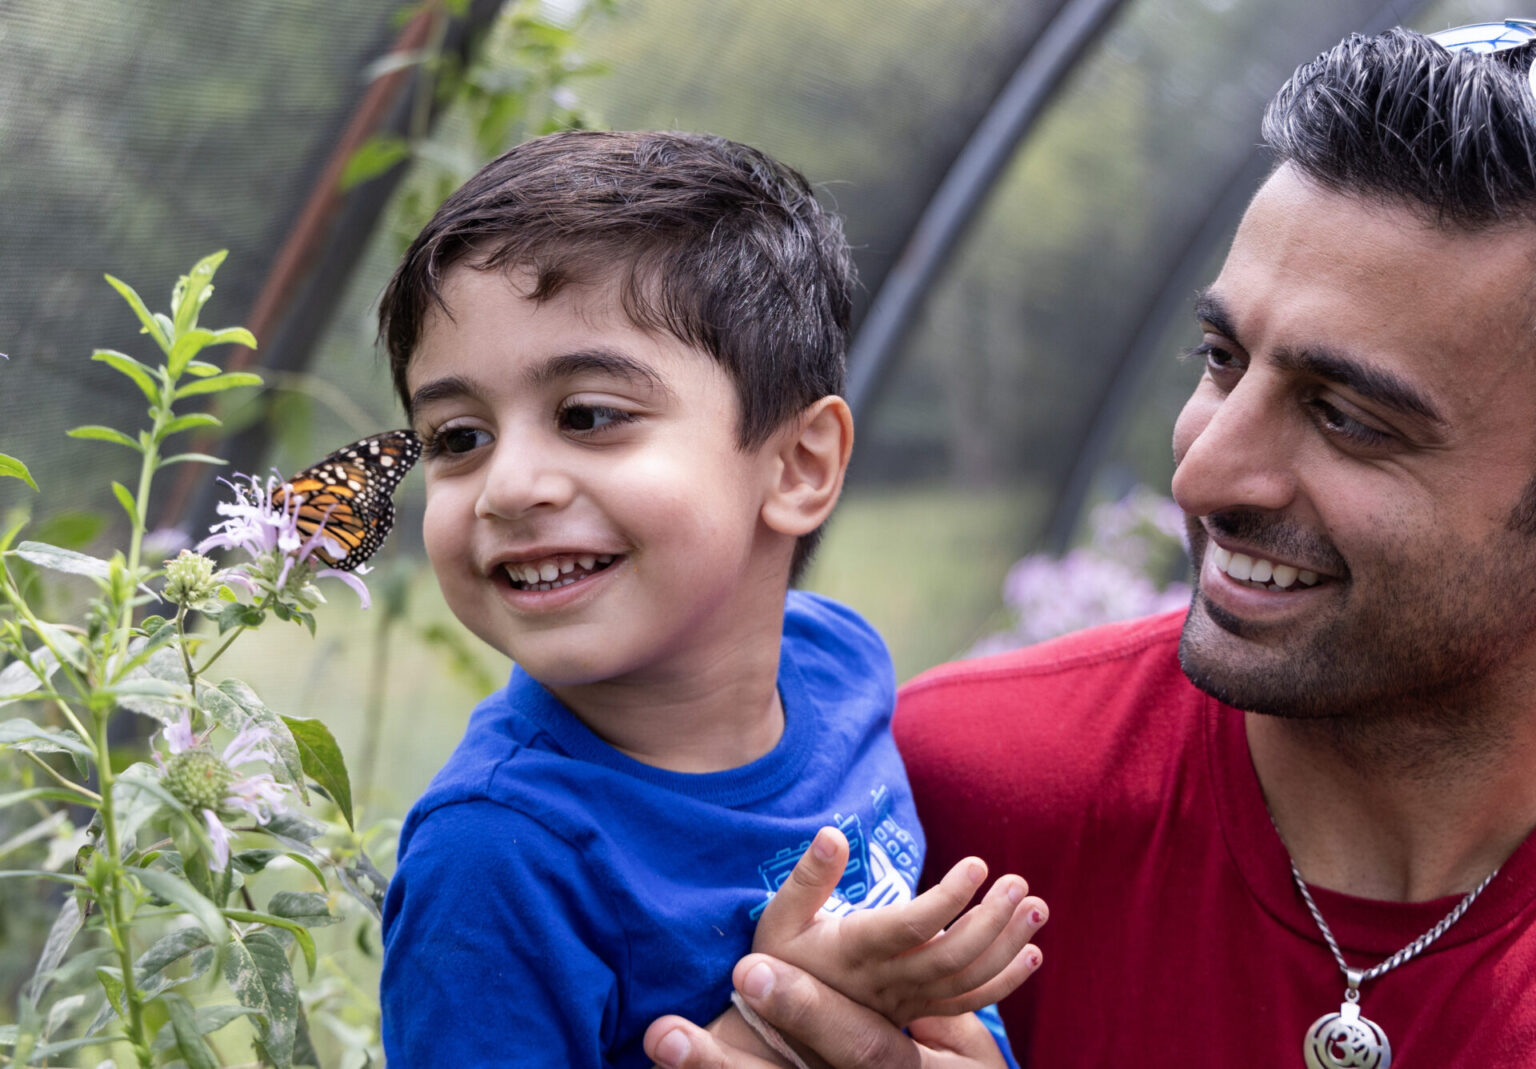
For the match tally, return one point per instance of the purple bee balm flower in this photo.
(215, 786)
(269, 532)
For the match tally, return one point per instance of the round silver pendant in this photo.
(1345, 1040)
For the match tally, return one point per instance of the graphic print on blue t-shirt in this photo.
(883, 865)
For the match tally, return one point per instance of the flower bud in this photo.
(189, 579)
(198, 779)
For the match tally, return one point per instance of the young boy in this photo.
(623, 354)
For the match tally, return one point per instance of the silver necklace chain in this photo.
(1356, 977)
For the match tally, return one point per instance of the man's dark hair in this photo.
(1401, 119)
(706, 239)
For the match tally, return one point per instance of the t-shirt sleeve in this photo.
(496, 951)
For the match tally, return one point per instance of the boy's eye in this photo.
(581, 418)
(452, 441)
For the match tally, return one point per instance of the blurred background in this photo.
(1034, 189)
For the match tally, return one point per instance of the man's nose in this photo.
(1235, 450)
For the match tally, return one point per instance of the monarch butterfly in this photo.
(349, 494)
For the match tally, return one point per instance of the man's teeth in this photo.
(556, 571)
(1258, 570)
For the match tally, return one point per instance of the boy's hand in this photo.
(901, 960)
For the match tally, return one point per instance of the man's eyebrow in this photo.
(1372, 383)
(1209, 308)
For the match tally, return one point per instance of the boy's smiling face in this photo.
(589, 512)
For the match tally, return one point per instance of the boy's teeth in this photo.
(555, 572)
(1244, 568)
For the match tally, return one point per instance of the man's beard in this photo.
(1409, 634)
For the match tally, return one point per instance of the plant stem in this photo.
(67, 784)
(230, 641)
(112, 906)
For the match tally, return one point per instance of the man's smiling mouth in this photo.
(1258, 572)
(551, 573)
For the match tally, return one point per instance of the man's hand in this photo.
(845, 1034)
(902, 960)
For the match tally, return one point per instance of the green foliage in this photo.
(159, 945)
(516, 86)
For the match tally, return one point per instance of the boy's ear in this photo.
(810, 458)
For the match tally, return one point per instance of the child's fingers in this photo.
(891, 930)
(801, 895)
(982, 942)
(999, 987)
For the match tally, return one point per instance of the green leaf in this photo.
(18, 681)
(188, 344)
(65, 927)
(15, 469)
(322, 761)
(295, 928)
(125, 499)
(373, 158)
(38, 794)
(202, 368)
(23, 734)
(289, 767)
(364, 882)
(178, 892)
(156, 688)
(138, 796)
(310, 908)
(189, 1041)
(200, 458)
(183, 943)
(208, 1019)
(218, 383)
(233, 336)
(132, 368)
(191, 293)
(112, 983)
(189, 422)
(104, 434)
(59, 559)
(152, 326)
(256, 969)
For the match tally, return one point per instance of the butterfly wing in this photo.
(350, 495)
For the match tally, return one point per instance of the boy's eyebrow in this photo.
(597, 360)
(1373, 383)
(565, 365)
(447, 387)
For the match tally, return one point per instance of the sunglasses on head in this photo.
(1490, 37)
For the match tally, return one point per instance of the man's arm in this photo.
(845, 1034)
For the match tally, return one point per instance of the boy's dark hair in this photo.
(708, 240)
(1399, 118)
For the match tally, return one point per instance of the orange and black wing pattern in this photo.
(349, 494)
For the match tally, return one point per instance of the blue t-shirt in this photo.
(553, 896)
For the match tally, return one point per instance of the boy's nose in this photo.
(520, 478)
(1233, 451)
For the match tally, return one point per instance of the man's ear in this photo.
(810, 458)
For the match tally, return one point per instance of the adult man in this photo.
(1344, 872)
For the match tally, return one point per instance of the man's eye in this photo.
(1345, 427)
(583, 418)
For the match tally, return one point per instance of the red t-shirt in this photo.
(1093, 768)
